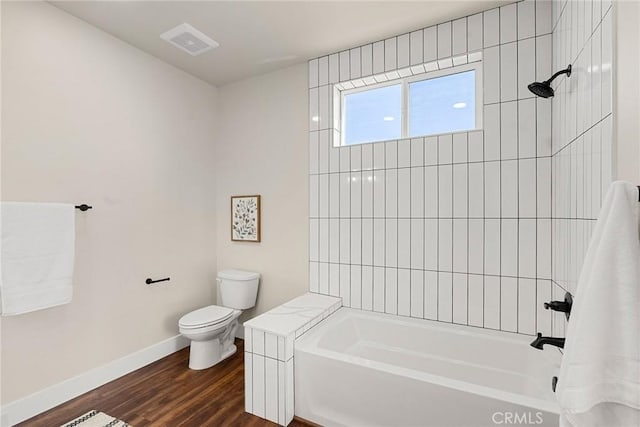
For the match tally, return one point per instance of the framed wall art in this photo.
(245, 218)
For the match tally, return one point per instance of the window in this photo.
(373, 115)
(425, 104)
(442, 104)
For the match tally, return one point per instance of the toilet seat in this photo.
(205, 317)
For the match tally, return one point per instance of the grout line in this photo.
(437, 200)
(454, 163)
(410, 209)
(517, 249)
(518, 173)
(452, 231)
(468, 209)
(500, 179)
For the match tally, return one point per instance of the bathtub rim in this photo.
(308, 343)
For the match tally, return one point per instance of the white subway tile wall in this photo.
(269, 357)
(582, 141)
(455, 228)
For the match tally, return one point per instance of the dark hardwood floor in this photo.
(168, 393)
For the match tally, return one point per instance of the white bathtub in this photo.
(370, 369)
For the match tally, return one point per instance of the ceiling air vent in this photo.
(187, 38)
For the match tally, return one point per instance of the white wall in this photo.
(89, 119)
(626, 89)
(262, 149)
(451, 228)
(583, 148)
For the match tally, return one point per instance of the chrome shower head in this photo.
(544, 89)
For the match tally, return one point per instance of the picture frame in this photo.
(245, 218)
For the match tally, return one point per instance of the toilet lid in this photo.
(206, 316)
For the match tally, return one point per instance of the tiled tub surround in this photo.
(428, 369)
(269, 341)
(582, 134)
(455, 227)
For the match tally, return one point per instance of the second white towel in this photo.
(600, 372)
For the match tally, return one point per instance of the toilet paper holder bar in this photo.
(149, 281)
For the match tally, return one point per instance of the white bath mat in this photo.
(95, 419)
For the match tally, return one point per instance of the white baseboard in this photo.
(43, 400)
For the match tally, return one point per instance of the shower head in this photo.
(544, 89)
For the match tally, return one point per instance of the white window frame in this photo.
(405, 81)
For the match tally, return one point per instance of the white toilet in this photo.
(212, 329)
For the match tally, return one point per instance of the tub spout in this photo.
(540, 341)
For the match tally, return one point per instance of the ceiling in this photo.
(260, 36)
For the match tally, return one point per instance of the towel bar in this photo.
(83, 207)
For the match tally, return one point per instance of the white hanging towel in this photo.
(599, 380)
(37, 256)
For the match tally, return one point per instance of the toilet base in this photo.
(211, 344)
(205, 354)
(230, 352)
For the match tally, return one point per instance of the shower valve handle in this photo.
(557, 306)
(562, 306)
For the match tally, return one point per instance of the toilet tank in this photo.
(238, 288)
